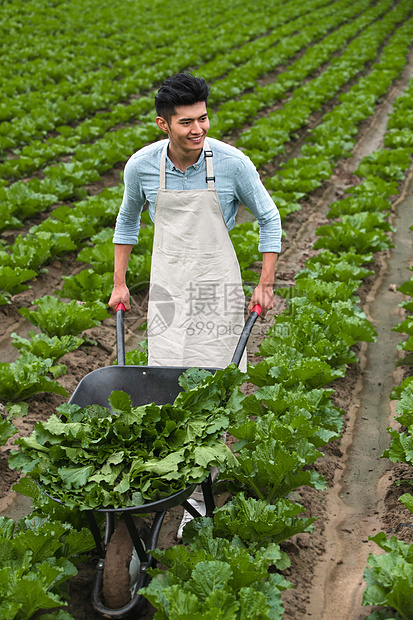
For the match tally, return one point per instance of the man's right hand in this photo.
(120, 294)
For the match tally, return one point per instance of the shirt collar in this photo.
(196, 165)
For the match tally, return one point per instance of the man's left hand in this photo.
(264, 296)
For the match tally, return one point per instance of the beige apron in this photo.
(196, 300)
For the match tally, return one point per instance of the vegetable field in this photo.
(314, 514)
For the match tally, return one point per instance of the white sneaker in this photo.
(199, 505)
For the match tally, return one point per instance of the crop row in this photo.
(235, 113)
(335, 135)
(107, 59)
(37, 558)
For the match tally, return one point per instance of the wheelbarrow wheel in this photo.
(121, 569)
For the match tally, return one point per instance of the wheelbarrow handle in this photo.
(120, 334)
(242, 342)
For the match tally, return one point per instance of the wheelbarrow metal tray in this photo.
(144, 384)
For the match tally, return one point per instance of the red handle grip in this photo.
(120, 306)
(257, 309)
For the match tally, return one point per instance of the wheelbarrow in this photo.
(130, 542)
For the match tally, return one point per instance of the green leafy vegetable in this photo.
(290, 368)
(256, 523)
(35, 561)
(7, 430)
(44, 346)
(56, 318)
(216, 579)
(27, 376)
(11, 281)
(271, 457)
(389, 576)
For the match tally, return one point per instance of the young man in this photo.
(193, 187)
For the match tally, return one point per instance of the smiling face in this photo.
(187, 129)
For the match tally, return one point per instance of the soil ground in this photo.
(362, 497)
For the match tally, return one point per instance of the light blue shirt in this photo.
(236, 181)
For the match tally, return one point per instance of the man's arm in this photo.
(120, 293)
(264, 292)
(127, 230)
(251, 192)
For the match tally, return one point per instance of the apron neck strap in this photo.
(210, 179)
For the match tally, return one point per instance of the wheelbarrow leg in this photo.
(208, 496)
(208, 499)
(136, 539)
(110, 527)
(96, 533)
(152, 541)
(155, 530)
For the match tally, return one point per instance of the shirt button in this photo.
(186, 178)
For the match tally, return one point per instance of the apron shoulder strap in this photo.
(210, 179)
(162, 169)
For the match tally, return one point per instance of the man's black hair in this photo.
(180, 89)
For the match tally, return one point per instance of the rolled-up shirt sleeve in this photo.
(129, 216)
(252, 193)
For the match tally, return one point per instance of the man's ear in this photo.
(162, 124)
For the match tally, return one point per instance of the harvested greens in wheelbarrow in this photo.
(96, 457)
